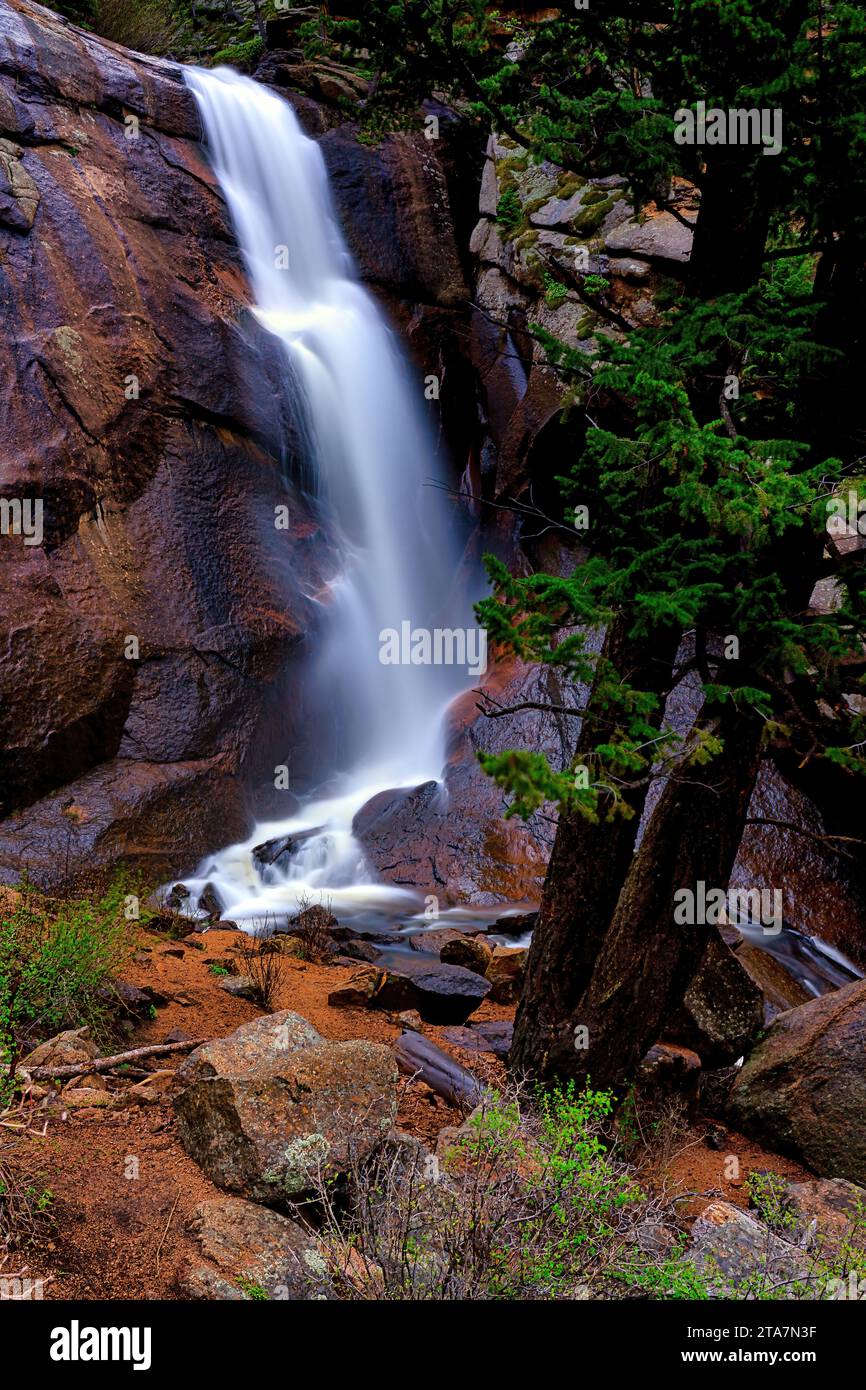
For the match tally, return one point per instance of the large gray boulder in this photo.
(262, 1111)
(804, 1087)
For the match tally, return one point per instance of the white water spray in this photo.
(372, 465)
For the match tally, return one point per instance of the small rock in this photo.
(440, 993)
(514, 924)
(282, 946)
(411, 1019)
(92, 1081)
(357, 992)
(77, 1096)
(734, 1252)
(210, 903)
(433, 942)
(239, 986)
(151, 1090)
(360, 950)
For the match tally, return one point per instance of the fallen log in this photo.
(420, 1058)
(96, 1064)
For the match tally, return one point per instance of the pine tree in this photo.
(718, 438)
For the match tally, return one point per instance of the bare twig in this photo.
(97, 1064)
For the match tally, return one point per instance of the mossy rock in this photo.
(589, 219)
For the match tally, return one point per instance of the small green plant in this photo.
(768, 1195)
(509, 212)
(217, 968)
(251, 1290)
(531, 1201)
(596, 285)
(56, 964)
(554, 291)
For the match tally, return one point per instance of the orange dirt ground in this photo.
(116, 1236)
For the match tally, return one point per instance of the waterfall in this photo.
(370, 464)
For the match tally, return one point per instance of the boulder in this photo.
(723, 1008)
(738, 1255)
(803, 1089)
(494, 1036)
(779, 989)
(472, 952)
(440, 993)
(253, 1249)
(66, 1049)
(433, 942)
(655, 236)
(505, 971)
(514, 924)
(239, 987)
(361, 950)
(827, 1215)
(358, 991)
(279, 852)
(264, 1108)
(127, 998)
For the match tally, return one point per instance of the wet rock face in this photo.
(141, 413)
(453, 841)
(803, 1088)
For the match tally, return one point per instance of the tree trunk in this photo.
(647, 960)
(586, 870)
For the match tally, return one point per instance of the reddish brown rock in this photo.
(130, 356)
(505, 971)
(803, 1089)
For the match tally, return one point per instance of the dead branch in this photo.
(97, 1064)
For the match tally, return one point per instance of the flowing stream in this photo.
(370, 465)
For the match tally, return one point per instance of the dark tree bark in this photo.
(586, 870)
(647, 960)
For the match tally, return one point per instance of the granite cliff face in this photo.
(149, 647)
(146, 640)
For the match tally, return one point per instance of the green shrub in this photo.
(239, 55)
(55, 962)
(532, 1201)
(596, 284)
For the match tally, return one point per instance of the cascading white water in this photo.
(372, 464)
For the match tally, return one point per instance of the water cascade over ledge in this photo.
(371, 465)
